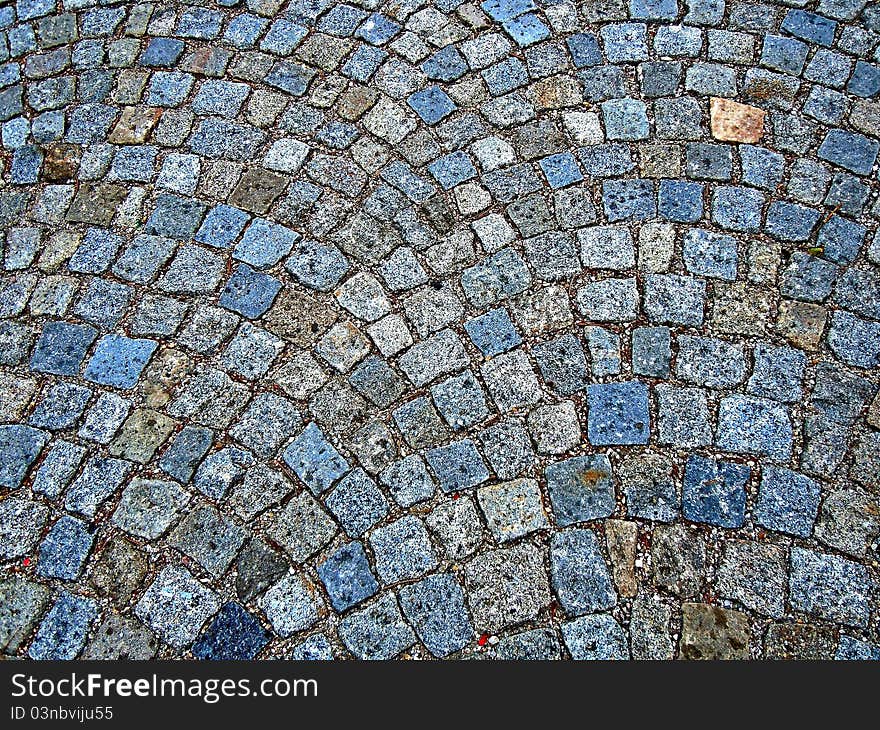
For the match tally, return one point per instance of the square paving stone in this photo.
(176, 606)
(507, 447)
(830, 587)
(710, 362)
(651, 490)
(431, 104)
(148, 507)
(682, 417)
(712, 632)
(581, 489)
(261, 488)
(222, 226)
(506, 587)
(787, 501)
(291, 605)
(618, 414)
(777, 373)
(63, 630)
(187, 449)
(629, 200)
(347, 576)
(493, 332)
(265, 243)
(534, 645)
(606, 247)
(19, 447)
(609, 300)
(757, 426)
(714, 491)
(175, 217)
(651, 351)
(378, 631)
(143, 257)
(143, 432)
(408, 481)
(100, 477)
(754, 574)
(460, 400)
(402, 550)
(65, 549)
(118, 361)
(57, 468)
(678, 559)
(710, 254)
(597, 637)
(302, 527)
(209, 538)
(234, 634)
(219, 471)
(458, 465)
(62, 347)
(419, 423)
(249, 292)
(314, 459)
(672, 299)
(579, 574)
(512, 509)
(21, 603)
(555, 427)
(343, 346)
(511, 380)
(96, 252)
(847, 521)
(737, 208)
(435, 607)
(104, 418)
(357, 502)
(268, 421)
(375, 379)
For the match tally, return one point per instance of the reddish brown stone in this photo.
(61, 162)
(735, 122)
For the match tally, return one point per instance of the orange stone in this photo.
(735, 122)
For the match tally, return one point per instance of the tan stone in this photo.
(257, 190)
(801, 323)
(143, 432)
(735, 122)
(96, 203)
(764, 257)
(162, 375)
(799, 641)
(621, 537)
(710, 632)
(356, 101)
(873, 417)
(134, 125)
(15, 394)
(660, 160)
(300, 318)
(741, 309)
(555, 92)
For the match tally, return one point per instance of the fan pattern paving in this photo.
(409, 329)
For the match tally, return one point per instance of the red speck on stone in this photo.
(456, 495)
(26, 562)
(483, 639)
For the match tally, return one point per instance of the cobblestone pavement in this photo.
(439, 329)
